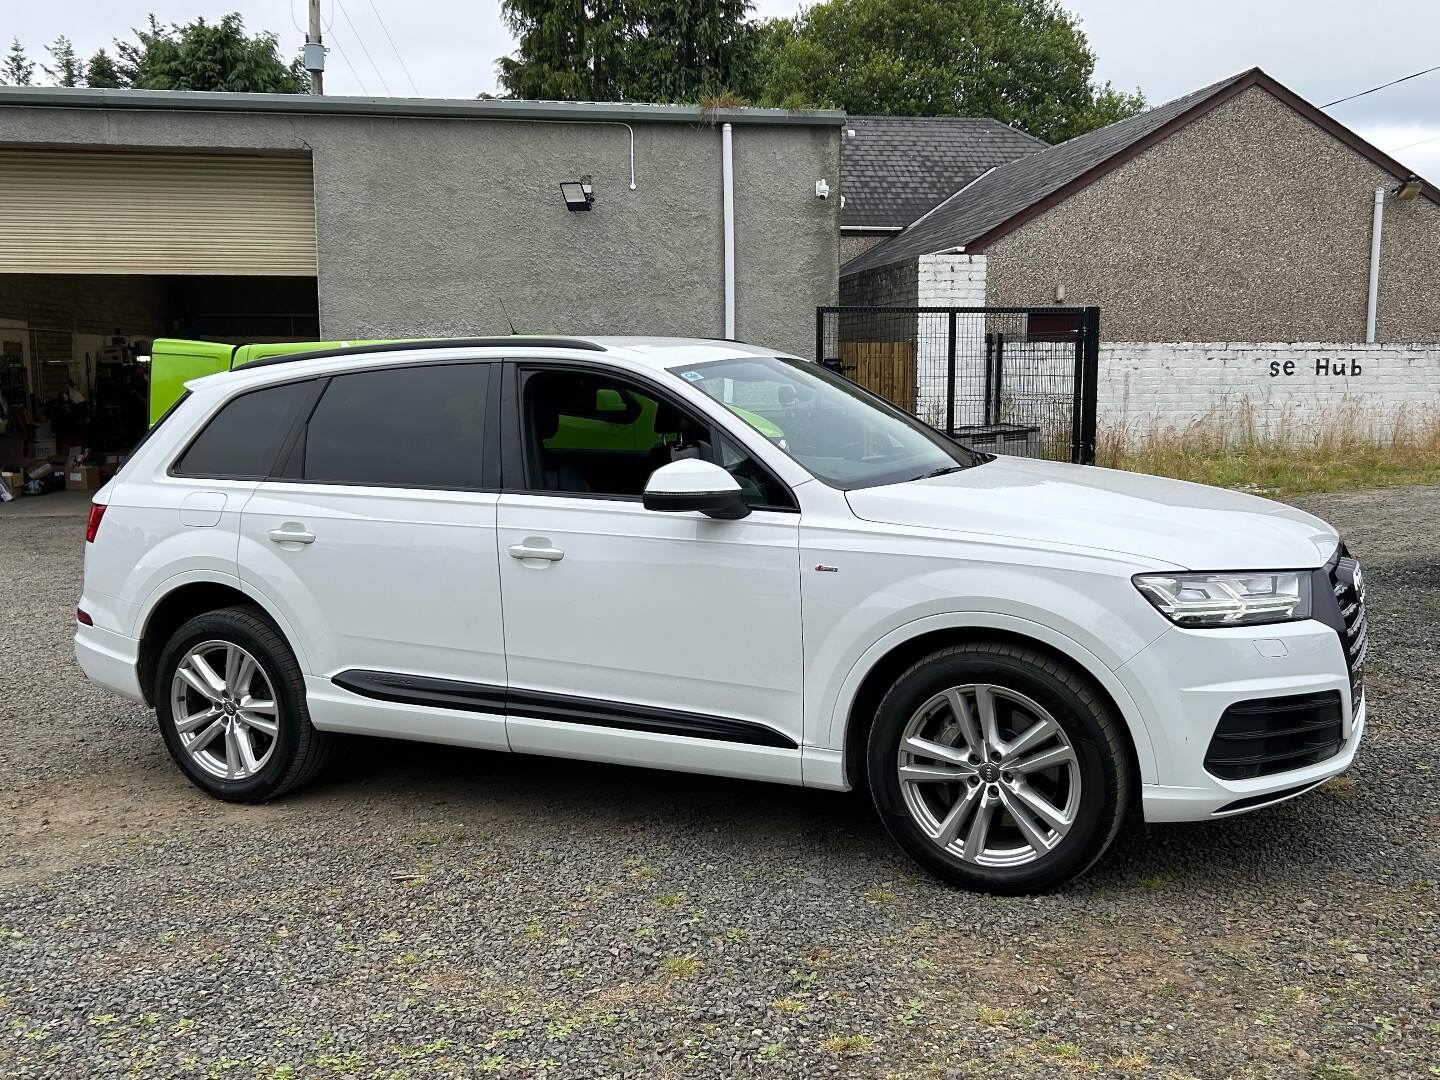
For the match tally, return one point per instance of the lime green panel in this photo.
(587, 433)
(246, 353)
(758, 422)
(174, 362)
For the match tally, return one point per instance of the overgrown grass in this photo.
(1351, 446)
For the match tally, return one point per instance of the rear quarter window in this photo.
(242, 440)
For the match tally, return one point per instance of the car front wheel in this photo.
(230, 699)
(998, 768)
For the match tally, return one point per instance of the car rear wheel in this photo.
(998, 768)
(230, 699)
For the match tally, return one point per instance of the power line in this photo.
(363, 48)
(349, 66)
(381, 19)
(1422, 142)
(1382, 86)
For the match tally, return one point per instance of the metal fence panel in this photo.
(1005, 380)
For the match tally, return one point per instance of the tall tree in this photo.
(68, 70)
(101, 72)
(17, 70)
(1025, 62)
(627, 50)
(208, 56)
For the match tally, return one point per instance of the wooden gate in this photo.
(886, 368)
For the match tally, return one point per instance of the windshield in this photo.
(841, 433)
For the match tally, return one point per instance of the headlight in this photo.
(1201, 600)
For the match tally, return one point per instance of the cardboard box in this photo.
(14, 483)
(83, 478)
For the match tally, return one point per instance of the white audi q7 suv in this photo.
(706, 556)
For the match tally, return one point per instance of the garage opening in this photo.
(102, 251)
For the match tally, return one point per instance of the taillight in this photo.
(92, 524)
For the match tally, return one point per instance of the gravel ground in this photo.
(433, 912)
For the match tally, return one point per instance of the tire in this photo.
(1082, 798)
(212, 758)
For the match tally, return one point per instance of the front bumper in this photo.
(1185, 679)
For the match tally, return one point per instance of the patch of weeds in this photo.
(534, 932)
(772, 1052)
(788, 1005)
(283, 1072)
(910, 1014)
(1342, 787)
(1065, 1051)
(735, 935)
(1129, 1063)
(848, 1045)
(666, 901)
(351, 1062)
(680, 967)
(643, 873)
(1156, 881)
(880, 896)
(492, 1063)
(103, 1020)
(1266, 1019)
(994, 1017)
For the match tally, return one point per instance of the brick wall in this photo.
(1296, 389)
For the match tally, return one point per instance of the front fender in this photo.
(839, 713)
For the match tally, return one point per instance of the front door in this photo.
(377, 540)
(630, 635)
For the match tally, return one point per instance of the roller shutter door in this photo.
(84, 212)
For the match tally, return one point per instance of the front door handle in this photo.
(291, 534)
(534, 548)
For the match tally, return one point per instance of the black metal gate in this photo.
(1006, 380)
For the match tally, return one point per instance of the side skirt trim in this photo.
(452, 694)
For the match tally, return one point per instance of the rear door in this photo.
(376, 538)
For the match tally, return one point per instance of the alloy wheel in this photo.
(224, 710)
(989, 775)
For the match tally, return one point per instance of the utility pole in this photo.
(315, 52)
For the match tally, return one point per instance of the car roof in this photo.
(653, 353)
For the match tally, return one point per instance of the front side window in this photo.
(417, 426)
(841, 434)
(242, 440)
(593, 433)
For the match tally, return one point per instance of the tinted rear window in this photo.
(401, 427)
(243, 438)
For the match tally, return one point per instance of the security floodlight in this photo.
(578, 194)
(1409, 188)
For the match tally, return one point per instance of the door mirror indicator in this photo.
(698, 486)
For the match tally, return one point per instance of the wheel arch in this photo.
(178, 601)
(877, 670)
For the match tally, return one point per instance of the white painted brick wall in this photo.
(944, 281)
(1281, 388)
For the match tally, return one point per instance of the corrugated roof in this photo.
(1020, 184)
(895, 168)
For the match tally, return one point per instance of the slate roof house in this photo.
(898, 167)
(1237, 212)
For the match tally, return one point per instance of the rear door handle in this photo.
(291, 534)
(532, 549)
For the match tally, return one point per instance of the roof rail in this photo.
(525, 340)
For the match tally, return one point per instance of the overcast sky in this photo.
(1322, 49)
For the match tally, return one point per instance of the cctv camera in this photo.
(822, 189)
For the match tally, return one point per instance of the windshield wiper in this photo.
(944, 470)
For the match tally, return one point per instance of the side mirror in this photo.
(694, 485)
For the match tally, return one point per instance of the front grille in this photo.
(1271, 735)
(1348, 583)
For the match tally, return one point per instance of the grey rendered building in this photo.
(132, 214)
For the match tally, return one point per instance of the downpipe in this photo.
(727, 182)
(1377, 225)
